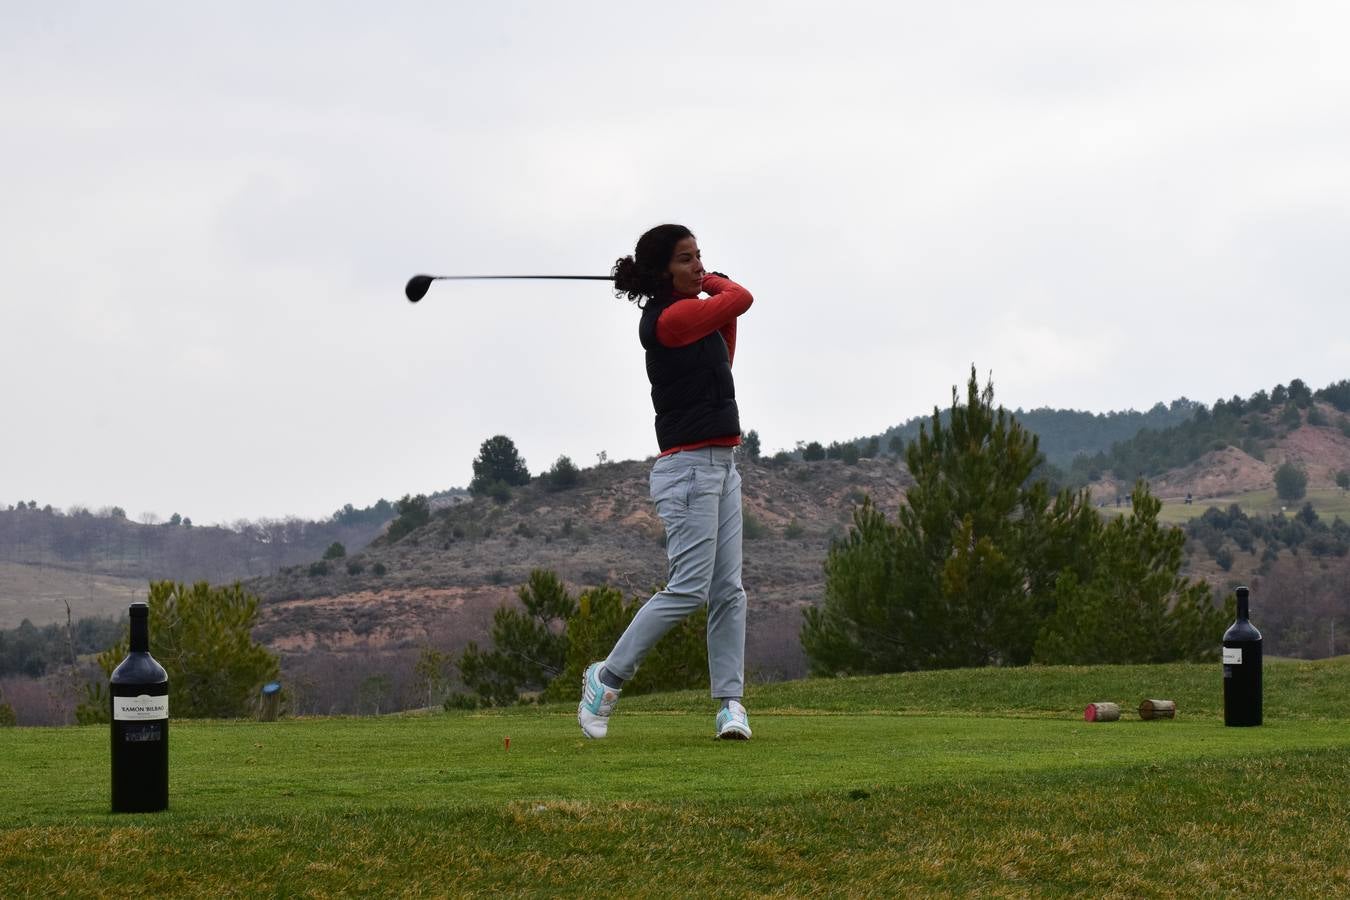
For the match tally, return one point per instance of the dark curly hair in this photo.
(646, 274)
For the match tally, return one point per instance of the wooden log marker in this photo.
(1158, 709)
(1101, 712)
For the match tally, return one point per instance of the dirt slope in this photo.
(444, 581)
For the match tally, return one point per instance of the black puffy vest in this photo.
(692, 389)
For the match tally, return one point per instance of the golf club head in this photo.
(417, 288)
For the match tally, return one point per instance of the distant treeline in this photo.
(33, 651)
(108, 542)
(1251, 424)
(1221, 532)
(1304, 597)
(1080, 447)
(1064, 433)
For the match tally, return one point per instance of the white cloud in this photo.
(209, 215)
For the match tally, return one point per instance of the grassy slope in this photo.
(1329, 503)
(35, 593)
(851, 785)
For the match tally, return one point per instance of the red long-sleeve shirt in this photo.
(690, 319)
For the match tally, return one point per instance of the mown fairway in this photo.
(981, 782)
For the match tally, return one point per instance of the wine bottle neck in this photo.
(140, 634)
(1242, 606)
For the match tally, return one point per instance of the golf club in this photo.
(418, 285)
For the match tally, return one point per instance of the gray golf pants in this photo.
(698, 497)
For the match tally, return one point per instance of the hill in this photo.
(443, 581)
(1264, 427)
(39, 593)
(1066, 434)
(1295, 555)
(899, 785)
(96, 561)
(350, 630)
(1221, 459)
(1168, 436)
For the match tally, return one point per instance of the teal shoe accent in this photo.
(597, 703)
(733, 723)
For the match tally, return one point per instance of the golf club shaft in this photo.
(549, 277)
(419, 284)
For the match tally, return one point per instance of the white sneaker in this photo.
(597, 702)
(733, 723)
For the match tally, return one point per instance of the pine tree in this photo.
(413, 513)
(963, 577)
(750, 443)
(203, 637)
(498, 461)
(528, 647)
(1134, 607)
(1291, 482)
(563, 475)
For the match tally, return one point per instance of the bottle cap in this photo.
(140, 608)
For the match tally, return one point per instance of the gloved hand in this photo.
(710, 282)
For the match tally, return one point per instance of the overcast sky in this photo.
(207, 215)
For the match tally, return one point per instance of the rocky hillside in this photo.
(1226, 470)
(441, 583)
(354, 626)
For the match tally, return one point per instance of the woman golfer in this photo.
(690, 343)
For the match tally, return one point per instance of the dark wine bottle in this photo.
(140, 724)
(1242, 668)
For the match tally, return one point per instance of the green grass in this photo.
(1329, 503)
(939, 783)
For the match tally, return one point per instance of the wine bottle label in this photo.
(1232, 656)
(139, 709)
